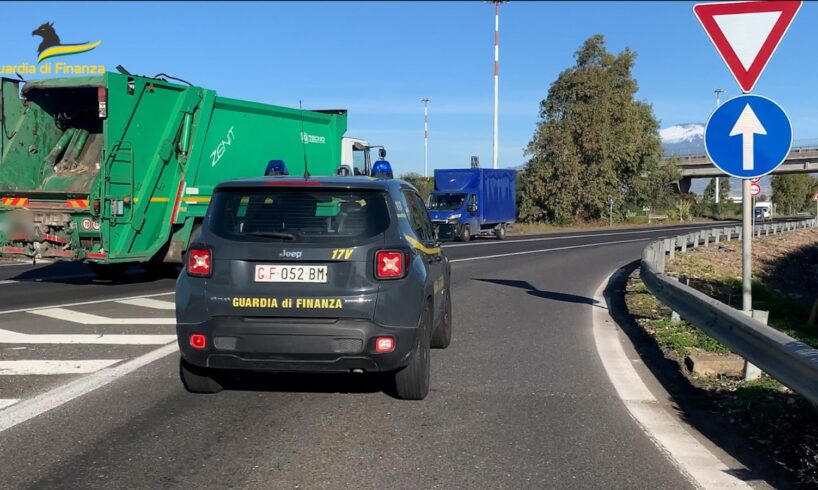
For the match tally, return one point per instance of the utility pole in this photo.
(495, 139)
(718, 93)
(425, 101)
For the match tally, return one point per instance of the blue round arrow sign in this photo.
(748, 136)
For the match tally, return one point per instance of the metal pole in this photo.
(746, 248)
(610, 212)
(718, 93)
(425, 101)
(495, 147)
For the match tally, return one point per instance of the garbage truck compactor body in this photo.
(119, 169)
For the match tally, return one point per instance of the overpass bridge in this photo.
(802, 159)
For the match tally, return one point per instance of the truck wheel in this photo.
(465, 233)
(500, 232)
(412, 382)
(108, 272)
(443, 334)
(197, 379)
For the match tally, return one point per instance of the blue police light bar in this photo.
(276, 167)
(382, 170)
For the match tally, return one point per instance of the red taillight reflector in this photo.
(198, 341)
(96, 206)
(384, 345)
(199, 262)
(390, 264)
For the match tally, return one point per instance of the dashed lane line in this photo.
(42, 367)
(10, 337)
(149, 303)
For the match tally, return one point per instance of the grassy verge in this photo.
(636, 222)
(776, 422)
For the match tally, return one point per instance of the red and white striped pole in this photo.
(425, 101)
(495, 148)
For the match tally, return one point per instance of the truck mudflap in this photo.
(59, 229)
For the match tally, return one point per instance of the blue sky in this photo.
(379, 59)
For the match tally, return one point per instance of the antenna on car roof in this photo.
(303, 141)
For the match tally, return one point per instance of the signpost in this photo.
(815, 198)
(610, 210)
(748, 136)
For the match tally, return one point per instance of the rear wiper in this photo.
(273, 234)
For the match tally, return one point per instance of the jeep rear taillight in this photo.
(199, 262)
(390, 264)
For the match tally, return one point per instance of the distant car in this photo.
(338, 274)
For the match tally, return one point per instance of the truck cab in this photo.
(356, 157)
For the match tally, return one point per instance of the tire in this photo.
(412, 382)
(108, 272)
(500, 232)
(465, 233)
(443, 333)
(197, 379)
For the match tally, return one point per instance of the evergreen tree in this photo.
(594, 141)
(793, 193)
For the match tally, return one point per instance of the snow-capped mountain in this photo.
(687, 139)
(683, 139)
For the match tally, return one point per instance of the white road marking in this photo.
(587, 235)
(10, 337)
(28, 409)
(149, 303)
(51, 367)
(7, 402)
(543, 250)
(50, 278)
(694, 460)
(89, 319)
(80, 303)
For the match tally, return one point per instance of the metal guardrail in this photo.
(791, 362)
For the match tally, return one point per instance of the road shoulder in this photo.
(704, 464)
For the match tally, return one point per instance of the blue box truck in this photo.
(468, 202)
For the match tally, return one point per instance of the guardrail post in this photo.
(751, 371)
(672, 247)
(717, 234)
(684, 243)
(706, 238)
(695, 237)
(729, 233)
(767, 230)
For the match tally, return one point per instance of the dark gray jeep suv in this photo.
(317, 275)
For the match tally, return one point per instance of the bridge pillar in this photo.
(684, 184)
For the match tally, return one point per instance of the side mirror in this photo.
(472, 207)
(382, 153)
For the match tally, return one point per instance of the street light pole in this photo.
(718, 93)
(495, 147)
(425, 101)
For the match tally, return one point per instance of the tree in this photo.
(792, 193)
(424, 185)
(594, 141)
(710, 190)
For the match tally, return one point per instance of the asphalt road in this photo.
(519, 400)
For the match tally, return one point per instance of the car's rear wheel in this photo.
(412, 382)
(465, 233)
(500, 232)
(197, 379)
(443, 333)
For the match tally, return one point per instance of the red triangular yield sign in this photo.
(746, 34)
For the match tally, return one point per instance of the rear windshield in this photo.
(299, 215)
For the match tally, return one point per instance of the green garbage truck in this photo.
(119, 169)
